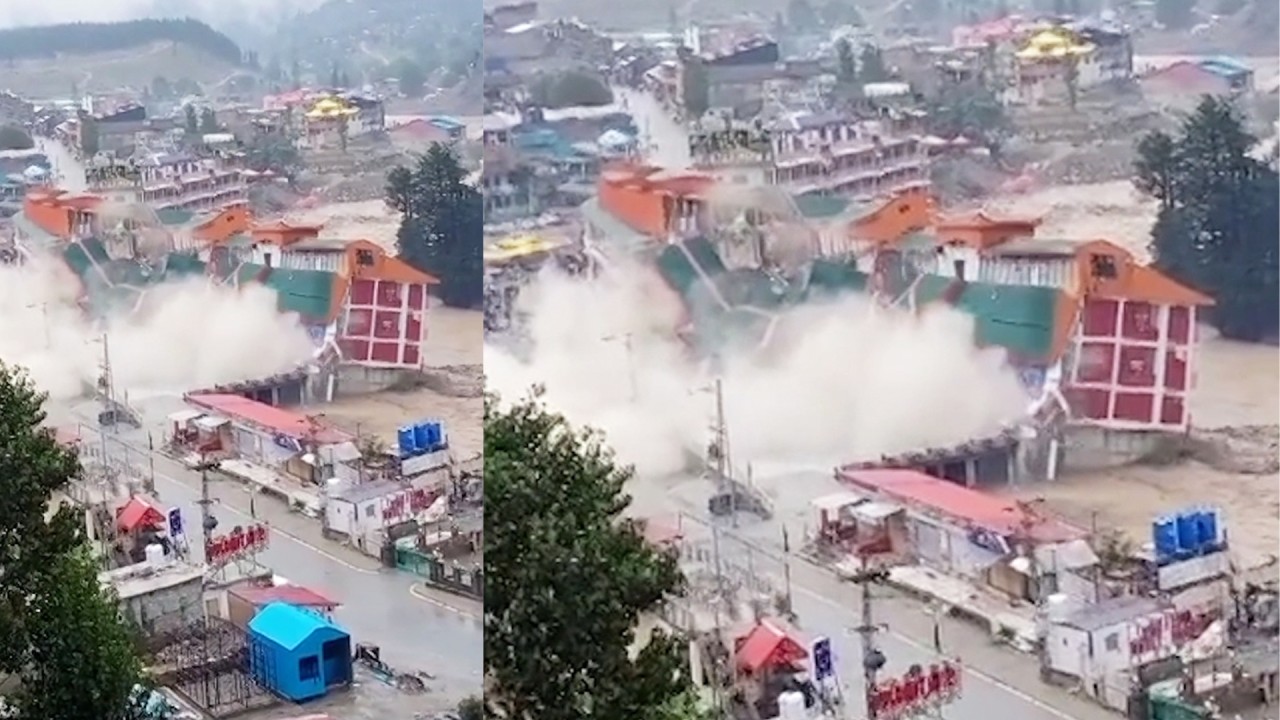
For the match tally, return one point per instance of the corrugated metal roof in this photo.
(269, 417)
(955, 501)
(290, 594)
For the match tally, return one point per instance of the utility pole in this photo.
(872, 659)
(724, 463)
(207, 521)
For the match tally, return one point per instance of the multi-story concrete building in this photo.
(816, 153)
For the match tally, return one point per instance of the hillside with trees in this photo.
(432, 44)
(48, 41)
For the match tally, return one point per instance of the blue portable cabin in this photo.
(297, 653)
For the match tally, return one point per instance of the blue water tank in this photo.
(442, 440)
(406, 442)
(422, 436)
(1164, 536)
(1188, 531)
(1207, 526)
(437, 435)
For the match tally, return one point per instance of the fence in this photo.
(1167, 708)
(441, 574)
(728, 572)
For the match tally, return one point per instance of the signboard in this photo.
(920, 690)
(823, 663)
(175, 523)
(413, 501)
(240, 542)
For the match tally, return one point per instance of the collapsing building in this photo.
(364, 309)
(1105, 346)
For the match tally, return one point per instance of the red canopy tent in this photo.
(139, 513)
(768, 645)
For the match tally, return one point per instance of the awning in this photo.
(875, 511)
(211, 422)
(182, 417)
(1070, 555)
(138, 513)
(767, 645)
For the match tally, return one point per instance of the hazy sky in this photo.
(24, 12)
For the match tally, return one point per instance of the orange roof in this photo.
(979, 509)
(768, 644)
(138, 513)
(277, 420)
(1149, 284)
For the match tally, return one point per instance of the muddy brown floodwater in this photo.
(451, 390)
(1238, 387)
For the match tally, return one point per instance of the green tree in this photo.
(971, 111)
(871, 67)
(568, 577)
(209, 122)
(191, 121)
(161, 89)
(573, 88)
(63, 636)
(695, 88)
(471, 708)
(846, 63)
(14, 137)
(272, 151)
(410, 76)
(1219, 223)
(442, 224)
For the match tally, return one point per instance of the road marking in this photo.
(968, 669)
(277, 532)
(414, 591)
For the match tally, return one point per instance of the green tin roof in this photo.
(112, 282)
(308, 293)
(1019, 318)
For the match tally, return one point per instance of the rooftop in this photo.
(1110, 613)
(289, 625)
(979, 509)
(144, 578)
(294, 425)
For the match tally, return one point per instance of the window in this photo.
(364, 258)
(369, 510)
(959, 268)
(1103, 267)
(309, 668)
(1113, 642)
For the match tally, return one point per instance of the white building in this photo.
(364, 512)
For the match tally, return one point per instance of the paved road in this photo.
(414, 631)
(997, 682)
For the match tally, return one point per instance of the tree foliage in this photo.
(971, 111)
(47, 41)
(442, 224)
(1219, 224)
(410, 76)
(871, 67)
(572, 88)
(13, 137)
(569, 578)
(846, 63)
(695, 88)
(63, 636)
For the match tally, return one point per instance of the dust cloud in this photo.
(182, 336)
(838, 382)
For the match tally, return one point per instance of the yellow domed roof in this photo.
(1054, 43)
